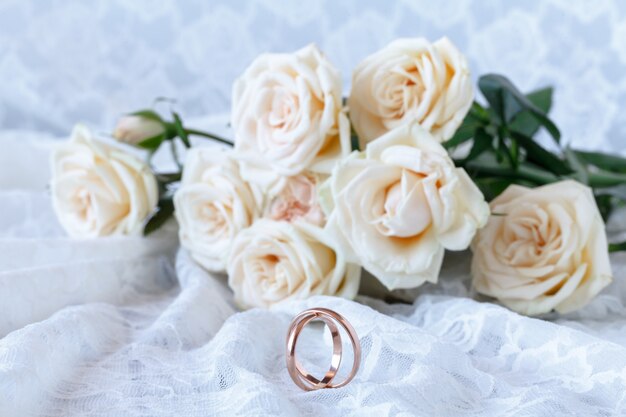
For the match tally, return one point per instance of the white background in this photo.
(67, 61)
(118, 327)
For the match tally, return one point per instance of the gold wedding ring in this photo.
(300, 376)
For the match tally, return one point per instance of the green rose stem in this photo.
(175, 155)
(171, 131)
(208, 135)
(538, 177)
(185, 142)
(606, 179)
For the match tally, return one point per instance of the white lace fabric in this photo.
(129, 327)
(133, 327)
(71, 61)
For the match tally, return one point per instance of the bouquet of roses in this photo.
(314, 187)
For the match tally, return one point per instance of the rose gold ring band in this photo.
(300, 376)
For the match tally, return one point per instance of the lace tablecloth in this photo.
(132, 327)
(61, 62)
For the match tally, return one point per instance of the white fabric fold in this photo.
(124, 327)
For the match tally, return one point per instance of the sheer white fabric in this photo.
(63, 62)
(127, 327)
(132, 327)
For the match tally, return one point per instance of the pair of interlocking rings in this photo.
(300, 376)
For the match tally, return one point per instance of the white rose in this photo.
(400, 203)
(287, 114)
(135, 129)
(297, 199)
(272, 262)
(411, 80)
(545, 248)
(212, 205)
(100, 190)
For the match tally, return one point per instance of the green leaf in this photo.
(507, 102)
(537, 154)
(605, 205)
(479, 113)
(153, 143)
(602, 160)
(148, 114)
(524, 174)
(482, 142)
(168, 177)
(465, 132)
(515, 154)
(492, 91)
(492, 187)
(608, 198)
(477, 117)
(180, 130)
(600, 179)
(354, 143)
(164, 212)
(617, 247)
(510, 153)
(542, 98)
(618, 192)
(580, 171)
(524, 121)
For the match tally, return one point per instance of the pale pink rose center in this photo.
(297, 200)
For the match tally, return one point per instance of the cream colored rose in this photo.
(297, 199)
(212, 205)
(544, 249)
(100, 190)
(400, 203)
(134, 129)
(411, 80)
(287, 114)
(276, 261)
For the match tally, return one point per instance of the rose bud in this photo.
(135, 129)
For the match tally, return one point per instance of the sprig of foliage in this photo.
(501, 148)
(173, 131)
